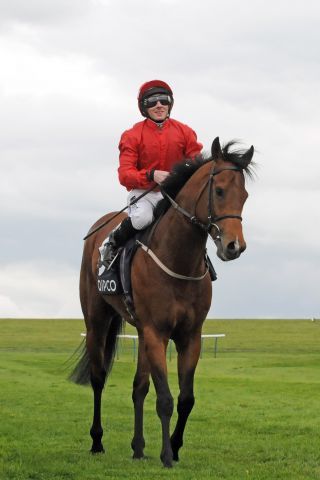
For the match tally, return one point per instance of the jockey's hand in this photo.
(160, 175)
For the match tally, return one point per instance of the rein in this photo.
(211, 217)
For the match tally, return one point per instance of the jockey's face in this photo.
(158, 113)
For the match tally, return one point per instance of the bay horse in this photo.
(202, 197)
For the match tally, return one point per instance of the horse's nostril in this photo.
(233, 246)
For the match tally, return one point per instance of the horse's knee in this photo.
(185, 404)
(165, 405)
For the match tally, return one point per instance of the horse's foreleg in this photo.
(156, 353)
(95, 347)
(188, 356)
(140, 389)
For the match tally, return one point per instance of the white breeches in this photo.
(141, 213)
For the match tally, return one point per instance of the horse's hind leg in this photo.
(140, 389)
(156, 352)
(97, 318)
(96, 340)
(103, 325)
(188, 356)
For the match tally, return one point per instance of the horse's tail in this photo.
(81, 372)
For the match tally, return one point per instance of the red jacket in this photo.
(148, 146)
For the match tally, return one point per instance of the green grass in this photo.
(256, 414)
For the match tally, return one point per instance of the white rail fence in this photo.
(134, 338)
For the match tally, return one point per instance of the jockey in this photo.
(148, 152)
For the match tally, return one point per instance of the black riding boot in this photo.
(117, 238)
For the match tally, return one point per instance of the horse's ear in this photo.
(216, 149)
(247, 157)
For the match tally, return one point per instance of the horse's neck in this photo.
(179, 244)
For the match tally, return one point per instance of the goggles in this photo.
(152, 101)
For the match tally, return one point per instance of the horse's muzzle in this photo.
(229, 250)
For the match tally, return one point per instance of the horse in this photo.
(171, 289)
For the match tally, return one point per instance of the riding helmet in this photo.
(151, 88)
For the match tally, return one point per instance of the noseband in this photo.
(212, 219)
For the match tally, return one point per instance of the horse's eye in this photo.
(219, 192)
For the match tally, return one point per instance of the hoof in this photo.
(166, 460)
(175, 448)
(176, 457)
(138, 456)
(97, 449)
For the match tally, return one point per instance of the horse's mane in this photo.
(182, 171)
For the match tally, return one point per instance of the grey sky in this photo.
(70, 72)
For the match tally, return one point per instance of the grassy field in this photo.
(256, 414)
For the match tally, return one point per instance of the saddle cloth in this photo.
(117, 279)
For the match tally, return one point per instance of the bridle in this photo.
(212, 219)
(206, 227)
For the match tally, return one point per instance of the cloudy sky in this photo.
(70, 72)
